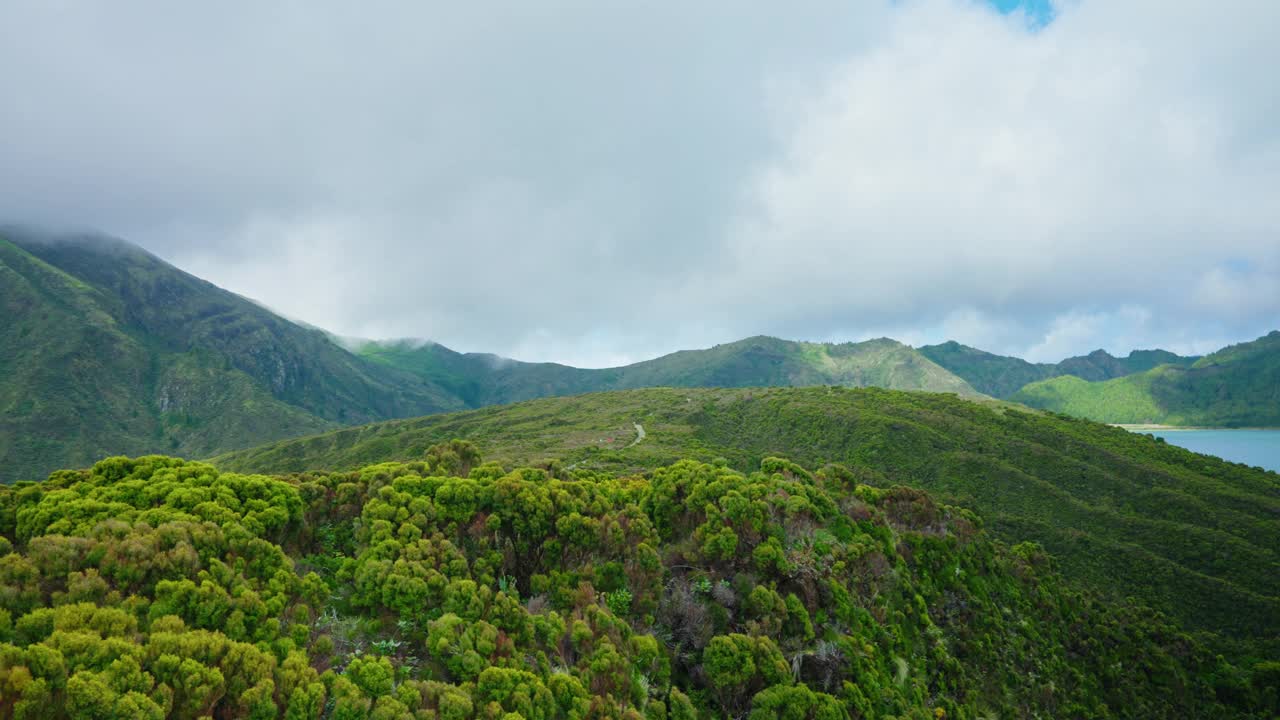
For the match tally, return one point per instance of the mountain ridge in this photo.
(115, 350)
(1237, 386)
(484, 379)
(1003, 375)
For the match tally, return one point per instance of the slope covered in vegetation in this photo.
(1002, 376)
(153, 588)
(1238, 386)
(1191, 535)
(106, 349)
(754, 362)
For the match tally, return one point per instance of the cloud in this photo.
(590, 183)
(1043, 177)
(1071, 331)
(1228, 289)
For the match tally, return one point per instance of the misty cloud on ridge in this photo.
(595, 185)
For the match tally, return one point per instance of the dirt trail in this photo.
(639, 435)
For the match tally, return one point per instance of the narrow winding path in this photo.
(639, 435)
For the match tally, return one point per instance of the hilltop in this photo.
(1190, 535)
(1238, 386)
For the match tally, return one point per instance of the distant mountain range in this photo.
(1238, 386)
(107, 350)
(1002, 376)
(480, 380)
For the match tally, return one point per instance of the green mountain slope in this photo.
(1238, 386)
(754, 362)
(994, 375)
(1101, 365)
(481, 379)
(107, 349)
(1002, 376)
(150, 587)
(1194, 536)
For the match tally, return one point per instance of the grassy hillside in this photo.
(765, 361)
(1238, 386)
(1123, 400)
(107, 349)
(1191, 535)
(152, 588)
(1001, 376)
(754, 362)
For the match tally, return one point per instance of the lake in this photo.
(1251, 447)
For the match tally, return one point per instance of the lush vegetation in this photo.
(1125, 400)
(1001, 376)
(106, 349)
(1194, 536)
(1238, 386)
(453, 589)
(481, 380)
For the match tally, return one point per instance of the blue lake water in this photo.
(1251, 447)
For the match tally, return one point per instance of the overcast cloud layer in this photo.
(596, 183)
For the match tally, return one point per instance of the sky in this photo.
(601, 182)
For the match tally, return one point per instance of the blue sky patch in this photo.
(1041, 11)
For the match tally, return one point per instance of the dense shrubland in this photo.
(1193, 536)
(448, 588)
